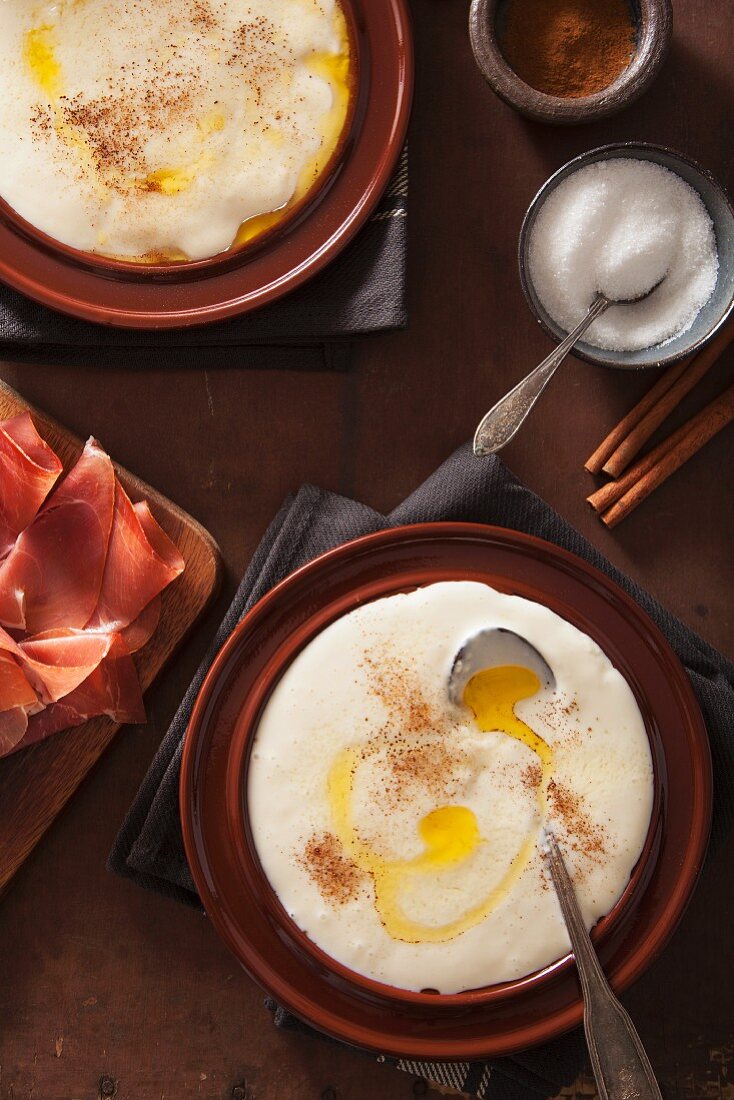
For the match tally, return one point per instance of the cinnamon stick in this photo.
(682, 445)
(641, 432)
(606, 448)
(610, 493)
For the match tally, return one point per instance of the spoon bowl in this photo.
(491, 648)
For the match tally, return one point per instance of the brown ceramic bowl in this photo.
(654, 29)
(243, 907)
(155, 296)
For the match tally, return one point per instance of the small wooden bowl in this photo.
(654, 20)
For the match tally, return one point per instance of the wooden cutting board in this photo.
(35, 783)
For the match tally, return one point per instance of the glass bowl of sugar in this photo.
(627, 220)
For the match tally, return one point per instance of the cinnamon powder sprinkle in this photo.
(431, 767)
(202, 15)
(257, 48)
(394, 684)
(582, 835)
(110, 123)
(531, 776)
(420, 751)
(337, 877)
(162, 94)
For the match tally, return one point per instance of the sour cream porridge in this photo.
(403, 834)
(168, 129)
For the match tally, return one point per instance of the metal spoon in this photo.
(621, 1067)
(490, 648)
(503, 421)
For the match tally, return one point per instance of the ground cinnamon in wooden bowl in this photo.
(570, 61)
(568, 48)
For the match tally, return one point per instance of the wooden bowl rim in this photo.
(230, 881)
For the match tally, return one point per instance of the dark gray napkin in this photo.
(362, 291)
(149, 848)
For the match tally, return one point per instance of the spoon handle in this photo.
(621, 1067)
(503, 420)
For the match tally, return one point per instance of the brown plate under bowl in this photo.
(653, 21)
(236, 894)
(158, 296)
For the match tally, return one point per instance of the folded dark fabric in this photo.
(531, 1075)
(362, 291)
(149, 848)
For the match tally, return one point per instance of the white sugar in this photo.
(619, 227)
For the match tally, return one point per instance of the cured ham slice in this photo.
(141, 562)
(17, 696)
(53, 575)
(113, 689)
(28, 471)
(58, 661)
(13, 726)
(81, 577)
(16, 689)
(142, 629)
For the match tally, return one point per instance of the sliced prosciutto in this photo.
(17, 696)
(16, 689)
(82, 570)
(13, 727)
(113, 689)
(53, 575)
(58, 661)
(28, 471)
(142, 629)
(141, 562)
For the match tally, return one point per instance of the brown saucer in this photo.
(240, 902)
(169, 296)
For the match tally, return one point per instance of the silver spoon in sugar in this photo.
(504, 419)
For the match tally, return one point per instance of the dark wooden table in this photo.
(104, 986)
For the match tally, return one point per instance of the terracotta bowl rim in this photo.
(435, 1003)
(126, 294)
(135, 270)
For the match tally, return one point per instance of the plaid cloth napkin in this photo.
(362, 291)
(149, 848)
